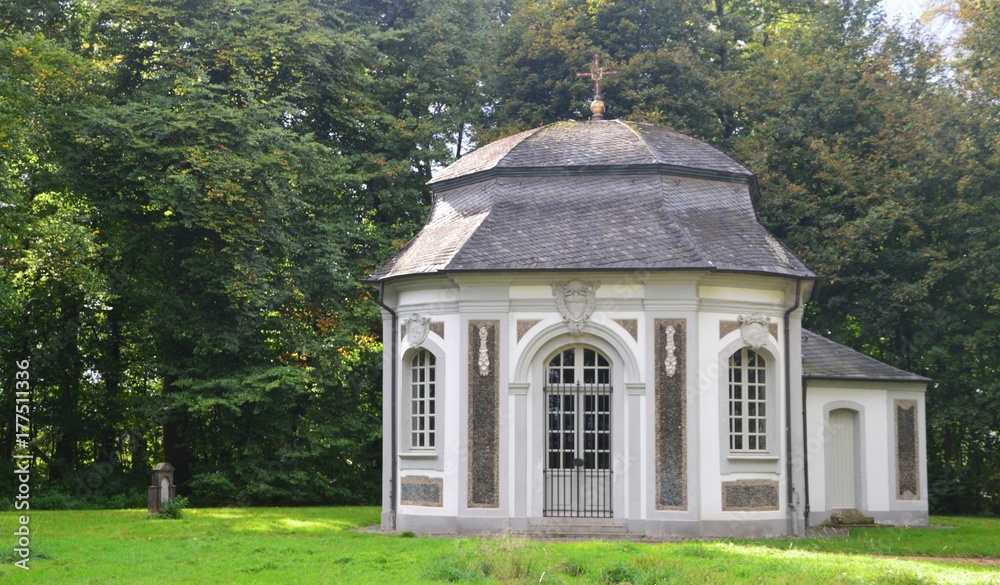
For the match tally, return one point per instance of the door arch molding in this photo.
(555, 335)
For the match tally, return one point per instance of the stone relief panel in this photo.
(484, 414)
(670, 412)
(907, 450)
(417, 490)
(749, 495)
(419, 331)
(416, 327)
(754, 330)
(670, 362)
(575, 300)
(484, 352)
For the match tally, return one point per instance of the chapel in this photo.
(593, 334)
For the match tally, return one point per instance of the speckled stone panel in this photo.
(525, 325)
(484, 418)
(749, 495)
(727, 327)
(417, 490)
(671, 418)
(630, 325)
(907, 451)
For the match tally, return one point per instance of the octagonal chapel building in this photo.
(594, 334)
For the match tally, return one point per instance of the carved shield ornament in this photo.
(575, 300)
(754, 330)
(417, 328)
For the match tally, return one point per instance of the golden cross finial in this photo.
(597, 74)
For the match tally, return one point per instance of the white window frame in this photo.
(746, 382)
(745, 461)
(423, 402)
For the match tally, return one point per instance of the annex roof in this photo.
(825, 359)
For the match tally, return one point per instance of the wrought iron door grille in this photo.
(578, 474)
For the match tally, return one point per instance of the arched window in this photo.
(748, 411)
(423, 399)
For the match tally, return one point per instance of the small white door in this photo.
(841, 456)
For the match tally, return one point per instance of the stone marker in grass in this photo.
(162, 489)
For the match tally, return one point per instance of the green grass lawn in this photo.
(318, 545)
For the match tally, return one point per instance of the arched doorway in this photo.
(578, 457)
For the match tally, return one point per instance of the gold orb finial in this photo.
(597, 108)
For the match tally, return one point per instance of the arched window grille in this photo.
(748, 410)
(423, 400)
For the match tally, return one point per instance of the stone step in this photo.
(576, 529)
(850, 518)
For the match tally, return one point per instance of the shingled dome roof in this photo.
(598, 195)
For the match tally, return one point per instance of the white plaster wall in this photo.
(670, 296)
(454, 407)
(436, 298)
(386, 420)
(531, 298)
(707, 431)
(879, 456)
(823, 396)
(910, 512)
(704, 299)
(769, 297)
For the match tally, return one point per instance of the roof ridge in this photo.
(528, 135)
(642, 140)
(456, 170)
(680, 229)
(489, 190)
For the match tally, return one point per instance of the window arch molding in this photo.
(405, 399)
(765, 460)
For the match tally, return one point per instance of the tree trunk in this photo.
(175, 448)
(107, 441)
(720, 14)
(65, 456)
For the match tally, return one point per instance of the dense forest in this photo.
(192, 191)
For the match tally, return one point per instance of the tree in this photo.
(871, 169)
(49, 288)
(223, 230)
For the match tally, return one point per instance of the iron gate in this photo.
(578, 474)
